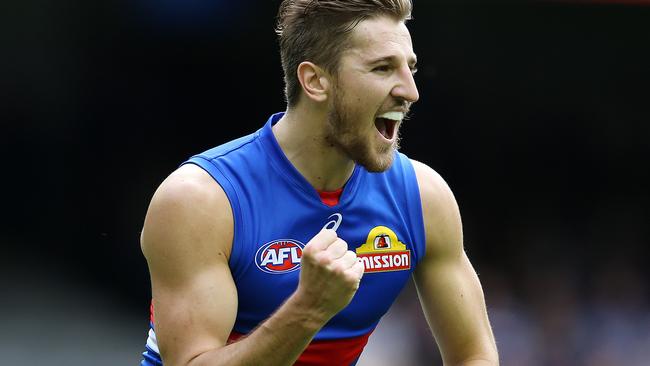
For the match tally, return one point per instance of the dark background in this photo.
(535, 113)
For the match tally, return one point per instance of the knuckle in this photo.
(322, 259)
(338, 270)
(307, 250)
(308, 253)
(352, 278)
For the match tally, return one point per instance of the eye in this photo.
(414, 70)
(381, 68)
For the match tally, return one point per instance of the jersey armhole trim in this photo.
(414, 208)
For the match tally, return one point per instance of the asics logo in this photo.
(335, 221)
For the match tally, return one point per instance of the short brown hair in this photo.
(318, 30)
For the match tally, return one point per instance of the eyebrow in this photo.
(412, 60)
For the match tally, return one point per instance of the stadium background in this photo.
(536, 113)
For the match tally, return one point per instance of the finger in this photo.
(322, 240)
(355, 273)
(348, 260)
(337, 249)
(359, 269)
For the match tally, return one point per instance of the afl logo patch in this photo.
(279, 256)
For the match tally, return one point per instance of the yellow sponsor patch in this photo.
(383, 252)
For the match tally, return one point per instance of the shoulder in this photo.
(186, 183)
(189, 218)
(440, 212)
(189, 190)
(431, 183)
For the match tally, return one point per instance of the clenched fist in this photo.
(330, 273)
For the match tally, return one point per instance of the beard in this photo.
(345, 132)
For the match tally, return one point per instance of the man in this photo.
(287, 246)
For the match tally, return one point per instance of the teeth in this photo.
(395, 116)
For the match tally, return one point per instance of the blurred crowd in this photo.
(550, 318)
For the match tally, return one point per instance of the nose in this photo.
(406, 88)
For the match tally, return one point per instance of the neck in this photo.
(301, 134)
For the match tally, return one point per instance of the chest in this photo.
(375, 229)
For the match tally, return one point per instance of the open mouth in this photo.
(386, 127)
(386, 124)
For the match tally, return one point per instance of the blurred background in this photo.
(536, 113)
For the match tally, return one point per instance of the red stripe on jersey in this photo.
(151, 312)
(330, 198)
(326, 352)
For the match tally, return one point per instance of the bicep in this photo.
(194, 316)
(452, 300)
(186, 240)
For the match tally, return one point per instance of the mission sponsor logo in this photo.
(279, 256)
(383, 252)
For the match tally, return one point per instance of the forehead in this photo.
(380, 37)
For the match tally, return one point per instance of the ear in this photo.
(314, 80)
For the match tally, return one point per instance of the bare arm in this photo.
(448, 287)
(187, 239)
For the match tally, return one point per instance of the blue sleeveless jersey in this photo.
(276, 211)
